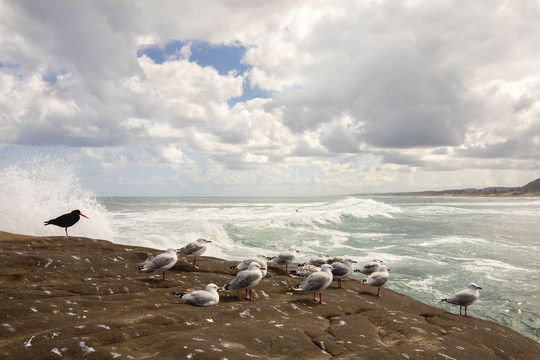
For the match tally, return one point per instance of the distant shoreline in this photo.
(531, 189)
(478, 193)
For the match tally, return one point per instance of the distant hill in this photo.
(532, 186)
(531, 189)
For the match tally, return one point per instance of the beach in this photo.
(82, 298)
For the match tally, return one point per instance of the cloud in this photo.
(276, 92)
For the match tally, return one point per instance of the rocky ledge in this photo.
(80, 298)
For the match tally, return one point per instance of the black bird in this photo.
(66, 220)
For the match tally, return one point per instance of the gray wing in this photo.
(193, 249)
(378, 278)
(245, 263)
(200, 298)
(316, 281)
(284, 257)
(339, 269)
(159, 262)
(464, 297)
(244, 279)
(370, 268)
(317, 262)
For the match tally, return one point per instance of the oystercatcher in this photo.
(66, 220)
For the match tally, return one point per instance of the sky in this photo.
(273, 98)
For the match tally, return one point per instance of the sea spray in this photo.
(41, 188)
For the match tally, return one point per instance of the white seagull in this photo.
(318, 260)
(194, 249)
(464, 297)
(342, 270)
(317, 282)
(370, 267)
(259, 259)
(247, 279)
(207, 297)
(286, 257)
(378, 278)
(163, 261)
(305, 270)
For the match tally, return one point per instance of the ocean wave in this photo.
(452, 240)
(40, 189)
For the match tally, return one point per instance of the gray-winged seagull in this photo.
(163, 261)
(464, 297)
(317, 282)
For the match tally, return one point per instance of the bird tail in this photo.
(140, 267)
(179, 294)
(226, 287)
(235, 267)
(364, 280)
(444, 300)
(46, 223)
(297, 288)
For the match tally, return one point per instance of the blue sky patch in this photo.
(9, 65)
(223, 58)
(249, 93)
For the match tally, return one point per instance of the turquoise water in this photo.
(434, 246)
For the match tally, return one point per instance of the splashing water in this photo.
(40, 189)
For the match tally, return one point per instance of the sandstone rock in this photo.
(80, 298)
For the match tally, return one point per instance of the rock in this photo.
(82, 298)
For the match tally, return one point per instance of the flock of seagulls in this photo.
(319, 271)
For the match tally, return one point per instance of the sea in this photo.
(434, 246)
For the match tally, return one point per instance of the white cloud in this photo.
(415, 87)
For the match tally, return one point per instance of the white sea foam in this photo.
(453, 240)
(42, 189)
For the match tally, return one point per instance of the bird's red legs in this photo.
(250, 297)
(164, 276)
(320, 298)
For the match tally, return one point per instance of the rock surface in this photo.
(80, 298)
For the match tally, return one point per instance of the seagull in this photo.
(464, 297)
(247, 279)
(207, 297)
(66, 220)
(194, 249)
(317, 281)
(318, 260)
(370, 267)
(305, 270)
(260, 259)
(341, 270)
(163, 261)
(335, 259)
(286, 257)
(378, 278)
